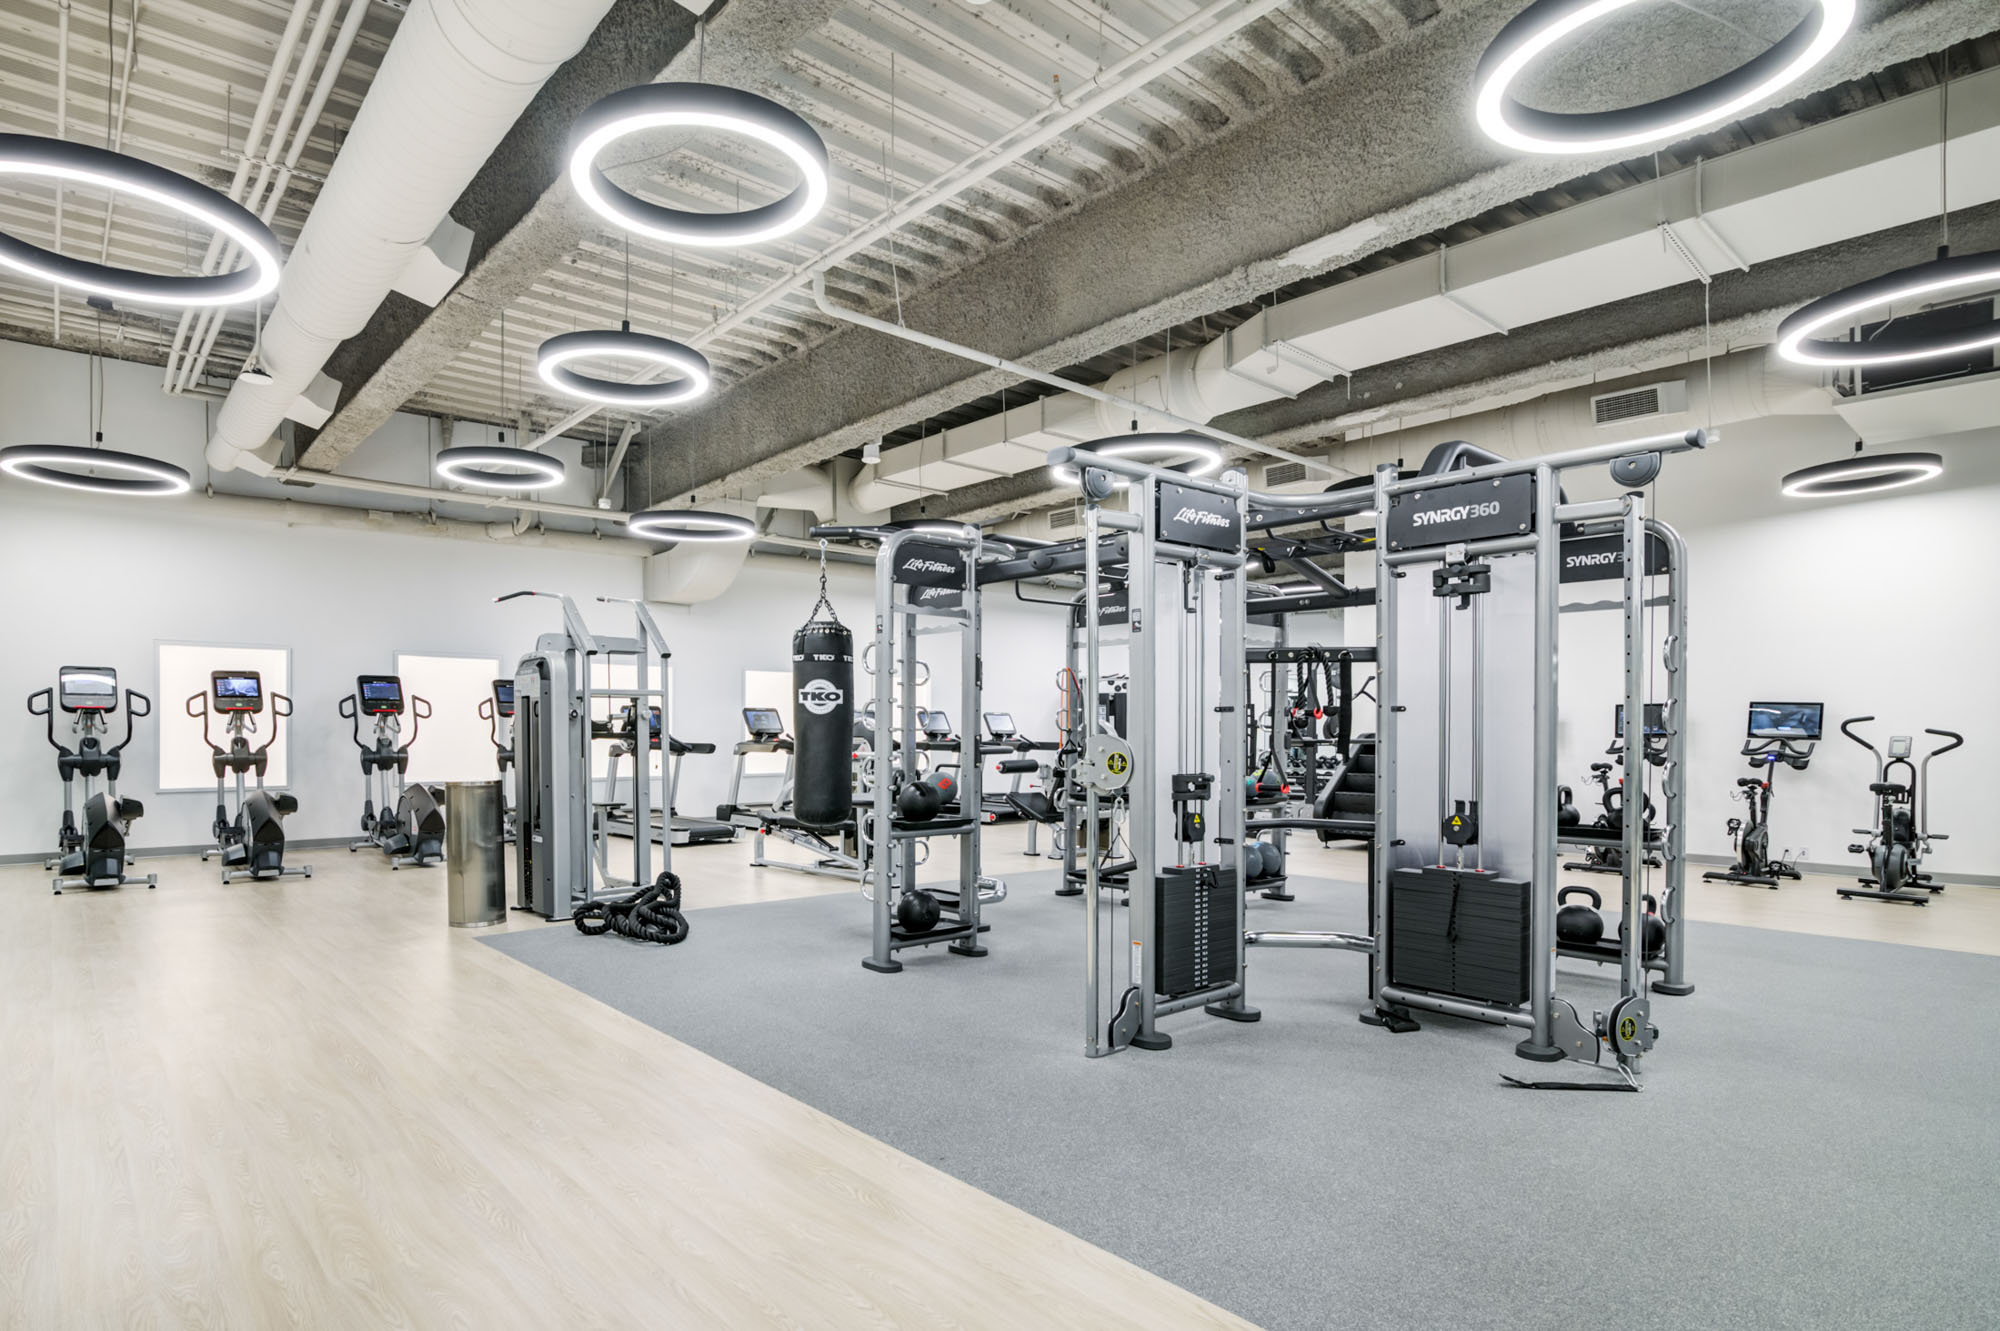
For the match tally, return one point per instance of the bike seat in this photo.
(1600, 767)
(1887, 788)
(1748, 782)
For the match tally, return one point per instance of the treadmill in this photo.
(767, 735)
(683, 831)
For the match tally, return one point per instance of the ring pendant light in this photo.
(552, 364)
(698, 106)
(1188, 453)
(1862, 474)
(688, 524)
(80, 164)
(1546, 23)
(489, 468)
(1948, 273)
(69, 466)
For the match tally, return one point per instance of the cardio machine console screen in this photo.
(763, 722)
(237, 691)
(934, 723)
(1785, 720)
(1656, 720)
(380, 695)
(1000, 725)
(503, 696)
(87, 688)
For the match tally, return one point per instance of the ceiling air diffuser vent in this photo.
(1631, 404)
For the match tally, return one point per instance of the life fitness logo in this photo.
(921, 565)
(1597, 560)
(1201, 517)
(1458, 513)
(820, 696)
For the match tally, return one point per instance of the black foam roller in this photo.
(822, 724)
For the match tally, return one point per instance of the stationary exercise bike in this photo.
(1777, 734)
(1901, 836)
(252, 841)
(1606, 852)
(94, 854)
(408, 825)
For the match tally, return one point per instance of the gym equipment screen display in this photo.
(237, 691)
(503, 696)
(1000, 725)
(763, 721)
(379, 694)
(1785, 720)
(87, 688)
(1656, 719)
(934, 723)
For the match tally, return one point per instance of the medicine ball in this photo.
(1274, 860)
(1253, 860)
(1654, 938)
(917, 911)
(1579, 925)
(918, 801)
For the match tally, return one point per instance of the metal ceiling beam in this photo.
(1377, 156)
(525, 217)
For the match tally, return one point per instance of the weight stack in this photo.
(1459, 932)
(1194, 929)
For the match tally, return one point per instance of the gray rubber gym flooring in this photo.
(1817, 1146)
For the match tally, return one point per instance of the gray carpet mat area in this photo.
(1817, 1144)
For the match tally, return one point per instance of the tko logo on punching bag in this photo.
(820, 696)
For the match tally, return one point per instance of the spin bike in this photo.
(1902, 836)
(252, 842)
(1605, 838)
(94, 854)
(408, 826)
(1776, 734)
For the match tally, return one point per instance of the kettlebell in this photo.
(1566, 810)
(1655, 936)
(1579, 925)
(917, 911)
(918, 801)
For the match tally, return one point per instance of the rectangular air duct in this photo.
(1060, 518)
(1284, 473)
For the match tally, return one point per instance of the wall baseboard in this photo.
(1847, 870)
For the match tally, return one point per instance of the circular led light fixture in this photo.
(552, 363)
(687, 524)
(80, 164)
(490, 468)
(1545, 23)
(1961, 272)
(1862, 474)
(1188, 453)
(698, 106)
(71, 467)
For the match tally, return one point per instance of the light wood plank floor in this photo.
(310, 1103)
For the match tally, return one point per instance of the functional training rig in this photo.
(561, 858)
(1469, 566)
(250, 842)
(926, 584)
(92, 855)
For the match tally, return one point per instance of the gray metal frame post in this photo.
(1095, 1040)
(1233, 741)
(1142, 723)
(1540, 1043)
(1632, 877)
(1674, 658)
(971, 768)
(1388, 707)
(878, 848)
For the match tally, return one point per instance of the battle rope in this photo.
(653, 916)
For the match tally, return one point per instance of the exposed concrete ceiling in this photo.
(1352, 167)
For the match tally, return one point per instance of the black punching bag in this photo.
(822, 722)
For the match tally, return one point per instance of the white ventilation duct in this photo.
(457, 75)
(1853, 176)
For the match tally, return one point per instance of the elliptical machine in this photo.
(1777, 733)
(1901, 836)
(252, 842)
(494, 711)
(93, 855)
(408, 825)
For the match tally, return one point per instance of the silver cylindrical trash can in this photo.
(475, 871)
